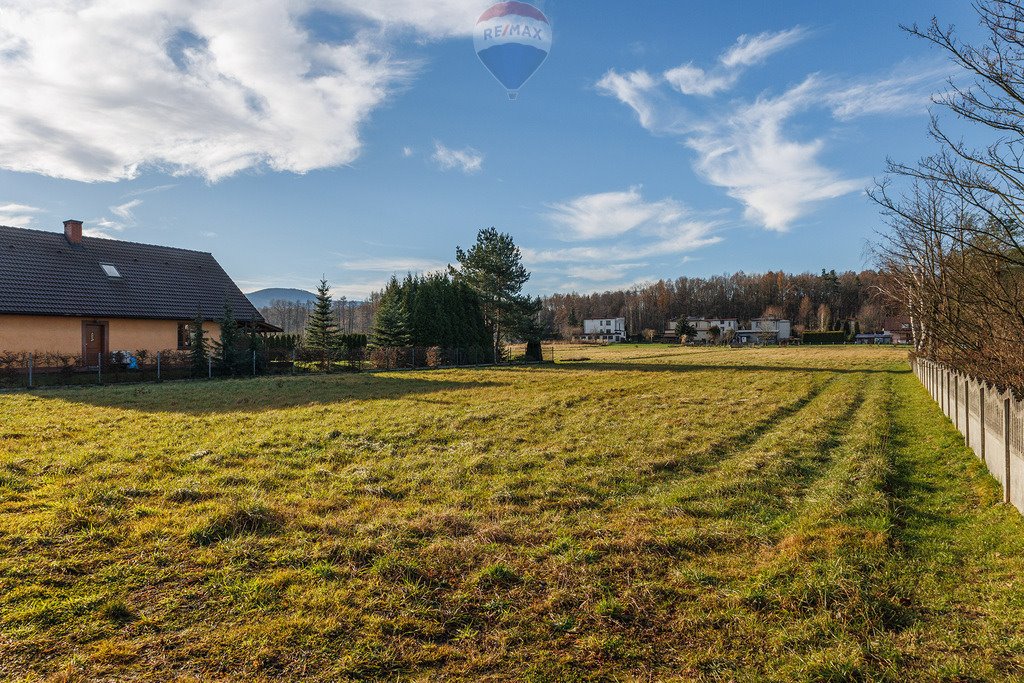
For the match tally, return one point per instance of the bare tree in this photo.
(954, 244)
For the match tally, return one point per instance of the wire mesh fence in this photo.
(32, 369)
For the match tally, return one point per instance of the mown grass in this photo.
(649, 513)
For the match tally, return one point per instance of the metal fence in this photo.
(31, 370)
(991, 421)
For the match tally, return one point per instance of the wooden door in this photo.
(93, 342)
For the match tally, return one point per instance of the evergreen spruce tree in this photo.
(322, 334)
(197, 346)
(573, 320)
(257, 346)
(227, 356)
(391, 324)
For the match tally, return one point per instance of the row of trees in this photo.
(824, 301)
(232, 354)
(479, 304)
(429, 310)
(954, 251)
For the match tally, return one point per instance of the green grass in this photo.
(631, 513)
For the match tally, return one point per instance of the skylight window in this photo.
(110, 270)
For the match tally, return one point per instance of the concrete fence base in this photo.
(991, 421)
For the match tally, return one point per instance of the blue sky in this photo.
(354, 138)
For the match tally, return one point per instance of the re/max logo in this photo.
(512, 30)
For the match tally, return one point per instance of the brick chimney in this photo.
(73, 231)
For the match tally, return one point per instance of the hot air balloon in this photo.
(512, 39)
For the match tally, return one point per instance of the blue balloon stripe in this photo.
(512, 64)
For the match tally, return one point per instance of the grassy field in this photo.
(631, 513)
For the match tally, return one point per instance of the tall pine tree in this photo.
(493, 269)
(322, 335)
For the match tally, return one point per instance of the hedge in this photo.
(837, 337)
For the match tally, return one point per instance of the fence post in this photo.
(413, 350)
(31, 360)
(209, 368)
(1006, 450)
(99, 368)
(945, 379)
(293, 361)
(967, 412)
(956, 402)
(942, 392)
(254, 362)
(157, 366)
(984, 424)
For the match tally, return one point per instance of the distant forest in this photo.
(821, 301)
(813, 302)
(353, 317)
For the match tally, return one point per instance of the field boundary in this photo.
(991, 420)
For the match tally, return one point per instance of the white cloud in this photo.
(633, 89)
(906, 92)
(610, 214)
(745, 147)
(750, 50)
(124, 211)
(18, 215)
(107, 88)
(606, 272)
(395, 265)
(692, 80)
(623, 229)
(105, 226)
(747, 51)
(435, 19)
(407, 152)
(150, 190)
(467, 160)
(777, 179)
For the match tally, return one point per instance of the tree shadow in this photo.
(715, 367)
(264, 394)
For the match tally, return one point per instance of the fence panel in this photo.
(991, 421)
(1017, 454)
(975, 427)
(962, 388)
(994, 450)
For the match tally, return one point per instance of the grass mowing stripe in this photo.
(751, 479)
(498, 524)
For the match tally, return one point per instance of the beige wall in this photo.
(40, 333)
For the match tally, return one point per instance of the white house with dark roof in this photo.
(703, 328)
(605, 329)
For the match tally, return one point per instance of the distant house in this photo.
(900, 328)
(765, 331)
(69, 294)
(605, 329)
(875, 338)
(726, 327)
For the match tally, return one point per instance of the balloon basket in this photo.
(513, 96)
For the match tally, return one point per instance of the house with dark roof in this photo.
(70, 294)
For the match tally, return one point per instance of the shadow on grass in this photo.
(713, 367)
(257, 395)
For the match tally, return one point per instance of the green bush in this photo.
(837, 337)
